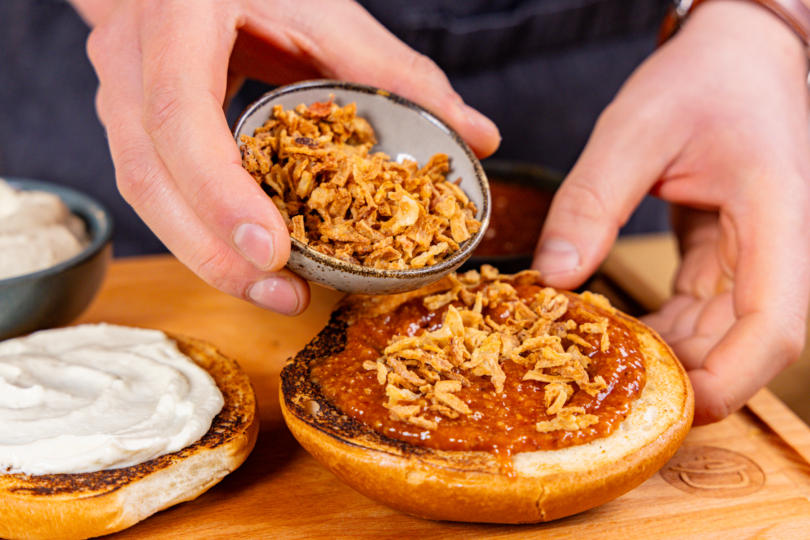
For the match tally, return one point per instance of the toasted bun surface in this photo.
(77, 506)
(471, 486)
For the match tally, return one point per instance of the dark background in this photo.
(541, 69)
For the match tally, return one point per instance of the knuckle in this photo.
(164, 106)
(206, 189)
(215, 265)
(101, 111)
(419, 63)
(585, 199)
(417, 66)
(97, 44)
(138, 179)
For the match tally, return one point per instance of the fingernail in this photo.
(557, 256)
(276, 294)
(255, 242)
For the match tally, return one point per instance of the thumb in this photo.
(620, 163)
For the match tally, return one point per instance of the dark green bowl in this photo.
(57, 295)
(544, 180)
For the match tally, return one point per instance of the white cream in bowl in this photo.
(37, 231)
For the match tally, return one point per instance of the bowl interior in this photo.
(403, 130)
(55, 296)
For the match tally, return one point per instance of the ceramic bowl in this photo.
(57, 295)
(401, 127)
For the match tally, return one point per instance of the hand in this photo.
(166, 67)
(715, 121)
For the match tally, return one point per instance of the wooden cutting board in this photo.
(745, 477)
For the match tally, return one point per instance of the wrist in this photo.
(751, 26)
(794, 14)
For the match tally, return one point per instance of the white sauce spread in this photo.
(95, 397)
(37, 231)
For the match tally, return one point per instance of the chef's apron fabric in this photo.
(541, 69)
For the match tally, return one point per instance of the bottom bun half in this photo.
(473, 486)
(85, 505)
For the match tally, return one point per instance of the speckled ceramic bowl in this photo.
(57, 295)
(401, 127)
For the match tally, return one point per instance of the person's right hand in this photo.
(714, 122)
(165, 69)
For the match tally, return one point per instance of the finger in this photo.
(700, 274)
(692, 326)
(620, 163)
(706, 268)
(772, 278)
(662, 320)
(344, 41)
(693, 227)
(737, 367)
(185, 66)
(712, 318)
(149, 187)
(699, 327)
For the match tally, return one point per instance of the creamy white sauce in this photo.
(37, 231)
(95, 397)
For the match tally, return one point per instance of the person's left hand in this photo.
(715, 121)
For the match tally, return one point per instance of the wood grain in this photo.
(281, 492)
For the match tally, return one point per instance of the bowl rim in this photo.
(86, 207)
(539, 177)
(465, 249)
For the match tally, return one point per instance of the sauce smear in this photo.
(503, 423)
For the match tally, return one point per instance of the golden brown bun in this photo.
(76, 506)
(469, 486)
